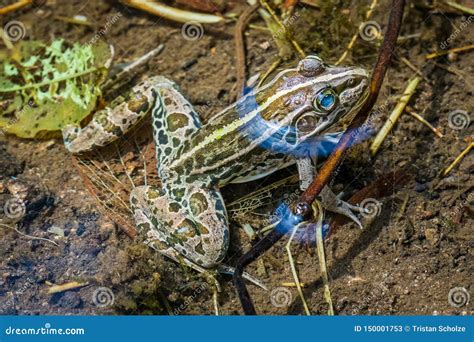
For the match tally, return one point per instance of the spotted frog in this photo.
(283, 122)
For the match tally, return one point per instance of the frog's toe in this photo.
(225, 269)
(347, 210)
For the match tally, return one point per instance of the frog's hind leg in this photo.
(190, 242)
(191, 220)
(174, 120)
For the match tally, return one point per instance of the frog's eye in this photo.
(307, 123)
(325, 101)
(310, 66)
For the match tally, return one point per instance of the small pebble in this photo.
(81, 228)
(56, 230)
(432, 236)
(420, 187)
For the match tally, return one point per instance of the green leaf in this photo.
(45, 87)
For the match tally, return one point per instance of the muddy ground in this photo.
(404, 262)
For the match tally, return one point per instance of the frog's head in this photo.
(306, 101)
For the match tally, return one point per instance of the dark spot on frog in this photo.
(174, 207)
(198, 203)
(162, 138)
(144, 227)
(179, 193)
(176, 121)
(167, 101)
(199, 249)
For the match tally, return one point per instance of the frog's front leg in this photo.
(330, 201)
(110, 123)
(188, 219)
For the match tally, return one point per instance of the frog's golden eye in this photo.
(325, 101)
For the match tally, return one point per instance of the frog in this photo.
(285, 121)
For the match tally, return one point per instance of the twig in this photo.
(26, 235)
(240, 46)
(294, 272)
(403, 206)
(424, 122)
(73, 20)
(447, 52)
(322, 257)
(15, 6)
(458, 159)
(292, 284)
(397, 111)
(173, 13)
(215, 302)
(66, 287)
(459, 7)
(414, 68)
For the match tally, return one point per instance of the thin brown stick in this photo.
(423, 121)
(458, 159)
(240, 46)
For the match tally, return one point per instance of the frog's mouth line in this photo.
(361, 92)
(350, 94)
